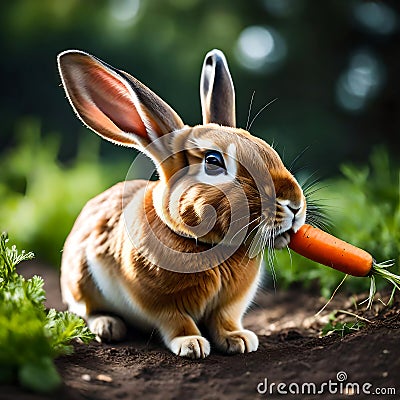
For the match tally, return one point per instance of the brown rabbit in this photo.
(168, 254)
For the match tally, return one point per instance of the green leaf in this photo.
(341, 328)
(40, 375)
(62, 328)
(34, 290)
(9, 259)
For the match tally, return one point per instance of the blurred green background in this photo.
(333, 67)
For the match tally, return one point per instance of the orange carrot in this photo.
(319, 246)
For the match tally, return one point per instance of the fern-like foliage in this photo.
(30, 336)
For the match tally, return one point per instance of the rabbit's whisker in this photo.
(246, 226)
(260, 111)
(249, 113)
(244, 216)
(271, 256)
(259, 236)
(255, 228)
(293, 163)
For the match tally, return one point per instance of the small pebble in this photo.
(104, 378)
(385, 374)
(86, 377)
(385, 351)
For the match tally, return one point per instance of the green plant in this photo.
(30, 336)
(342, 328)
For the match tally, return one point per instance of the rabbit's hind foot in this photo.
(107, 328)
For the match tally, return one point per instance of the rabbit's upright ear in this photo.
(114, 104)
(216, 91)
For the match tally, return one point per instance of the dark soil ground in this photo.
(291, 352)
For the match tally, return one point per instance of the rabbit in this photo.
(187, 248)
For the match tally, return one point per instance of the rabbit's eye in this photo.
(214, 163)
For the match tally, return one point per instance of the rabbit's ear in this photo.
(114, 104)
(216, 91)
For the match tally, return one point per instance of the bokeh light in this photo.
(282, 8)
(260, 48)
(360, 82)
(125, 11)
(376, 17)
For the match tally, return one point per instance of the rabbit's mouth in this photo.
(289, 220)
(281, 240)
(288, 225)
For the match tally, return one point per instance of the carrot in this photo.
(319, 246)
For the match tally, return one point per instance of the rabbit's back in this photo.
(100, 218)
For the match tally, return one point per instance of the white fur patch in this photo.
(249, 297)
(190, 346)
(245, 302)
(76, 307)
(288, 222)
(243, 341)
(300, 217)
(117, 298)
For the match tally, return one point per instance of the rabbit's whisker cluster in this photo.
(244, 227)
(254, 229)
(316, 209)
(297, 158)
(271, 255)
(264, 236)
(253, 250)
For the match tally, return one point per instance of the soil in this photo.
(291, 352)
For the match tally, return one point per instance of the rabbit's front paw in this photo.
(243, 341)
(107, 328)
(190, 346)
